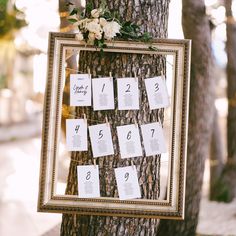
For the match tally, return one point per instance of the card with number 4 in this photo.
(88, 181)
(127, 183)
(76, 135)
(103, 94)
(129, 141)
(153, 139)
(157, 93)
(101, 140)
(128, 93)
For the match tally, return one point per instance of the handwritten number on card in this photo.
(129, 135)
(128, 88)
(126, 176)
(100, 134)
(153, 131)
(77, 129)
(103, 87)
(156, 87)
(88, 176)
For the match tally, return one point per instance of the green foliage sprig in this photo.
(95, 26)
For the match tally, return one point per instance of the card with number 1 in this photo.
(76, 135)
(103, 94)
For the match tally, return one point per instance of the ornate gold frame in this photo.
(173, 206)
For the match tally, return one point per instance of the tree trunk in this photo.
(196, 27)
(216, 159)
(152, 17)
(225, 185)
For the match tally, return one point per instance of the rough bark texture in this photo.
(152, 17)
(231, 72)
(216, 159)
(196, 27)
(225, 186)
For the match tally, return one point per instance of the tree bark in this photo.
(225, 186)
(152, 17)
(196, 27)
(216, 159)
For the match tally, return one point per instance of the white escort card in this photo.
(103, 94)
(157, 93)
(80, 90)
(127, 183)
(76, 135)
(88, 181)
(153, 139)
(129, 141)
(128, 94)
(101, 140)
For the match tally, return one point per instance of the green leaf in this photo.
(72, 20)
(74, 12)
(152, 48)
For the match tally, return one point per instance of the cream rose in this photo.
(95, 13)
(103, 22)
(94, 27)
(91, 37)
(79, 36)
(111, 29)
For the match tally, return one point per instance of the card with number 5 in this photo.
(129, 141)
(157, 93)
(101, 140)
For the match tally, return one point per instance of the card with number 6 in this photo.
(157, 93)
(88, 181)
(127, 183)
(129, 141)
(101, 140)
(153, 139)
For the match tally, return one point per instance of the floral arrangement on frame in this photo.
(95, 26)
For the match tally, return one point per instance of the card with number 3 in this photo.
(157, 93)
(127, 183)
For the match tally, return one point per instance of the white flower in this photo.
(95, 13)
(94, 27)
(83, 23)
(98, 36)
(103, 22)
(91, 37)
(111, 29)
(79, 36)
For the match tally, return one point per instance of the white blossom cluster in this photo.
(96, 27)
